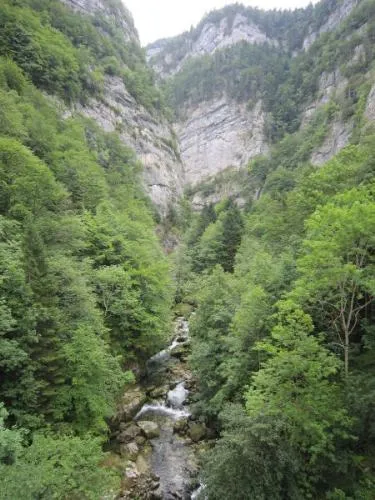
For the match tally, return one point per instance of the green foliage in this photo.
(307, 252)
(209, 328)
(295, 420)
(57, 467)
(10, 441)
(85, 290)
(216, 243)
(69, 54)
(283, 336)
(336, 267)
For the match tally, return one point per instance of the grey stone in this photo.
(159, 392)
(132, 402)
(150, 429)
(129, 433)
(130, 450)
(219, 134)
(180, 426)
(140, 440)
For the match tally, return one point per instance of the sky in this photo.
(156, 19)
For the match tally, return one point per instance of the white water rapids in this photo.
(172, 459)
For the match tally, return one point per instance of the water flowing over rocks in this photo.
(177, 396)
(157, 435)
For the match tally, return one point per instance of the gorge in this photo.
(187, 254)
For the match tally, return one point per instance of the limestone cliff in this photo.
(150, 136)
(148, 132)
(168, 56)
(221, 131)
(232, 118)
(111, 9)
(218, 134)
(338, 15)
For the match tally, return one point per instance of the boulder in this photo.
(150, 429)
(132, 402)
(180, 426)
(153, 485)
(159, 392)
(156, 494)
(180, 352)
(211, 433)
(129, 433)
(140, 440)
(131, 476)
(142, 464)
(180, 339)
(130, 450)
(197, 431)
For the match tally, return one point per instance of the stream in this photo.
(168, 464)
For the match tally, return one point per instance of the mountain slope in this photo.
(85, 287)
(244, 79)
(112, 82)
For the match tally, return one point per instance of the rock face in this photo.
(148, 134)
(370, 105)
(113, 9)
(337, 138)
(212, 37)
(340, 14)
(219, 134)
(330, 85)
(151, 137)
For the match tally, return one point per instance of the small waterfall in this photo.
(177, 396)
(159, 409)
(197, 493)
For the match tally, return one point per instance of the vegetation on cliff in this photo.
(282, 343)
(70, 54)
(84, 285)
(284, 81)
(283, 334)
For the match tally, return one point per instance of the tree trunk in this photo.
(346, 354)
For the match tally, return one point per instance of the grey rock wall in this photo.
(114, 9)
(150, 136)
(370, 105)
(340, 14)
(167, 61)
(219, 134)
(337, 138)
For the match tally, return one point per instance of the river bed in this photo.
(170, 453)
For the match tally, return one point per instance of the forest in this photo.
(279, 292)
(85, 289)
(283, 333)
